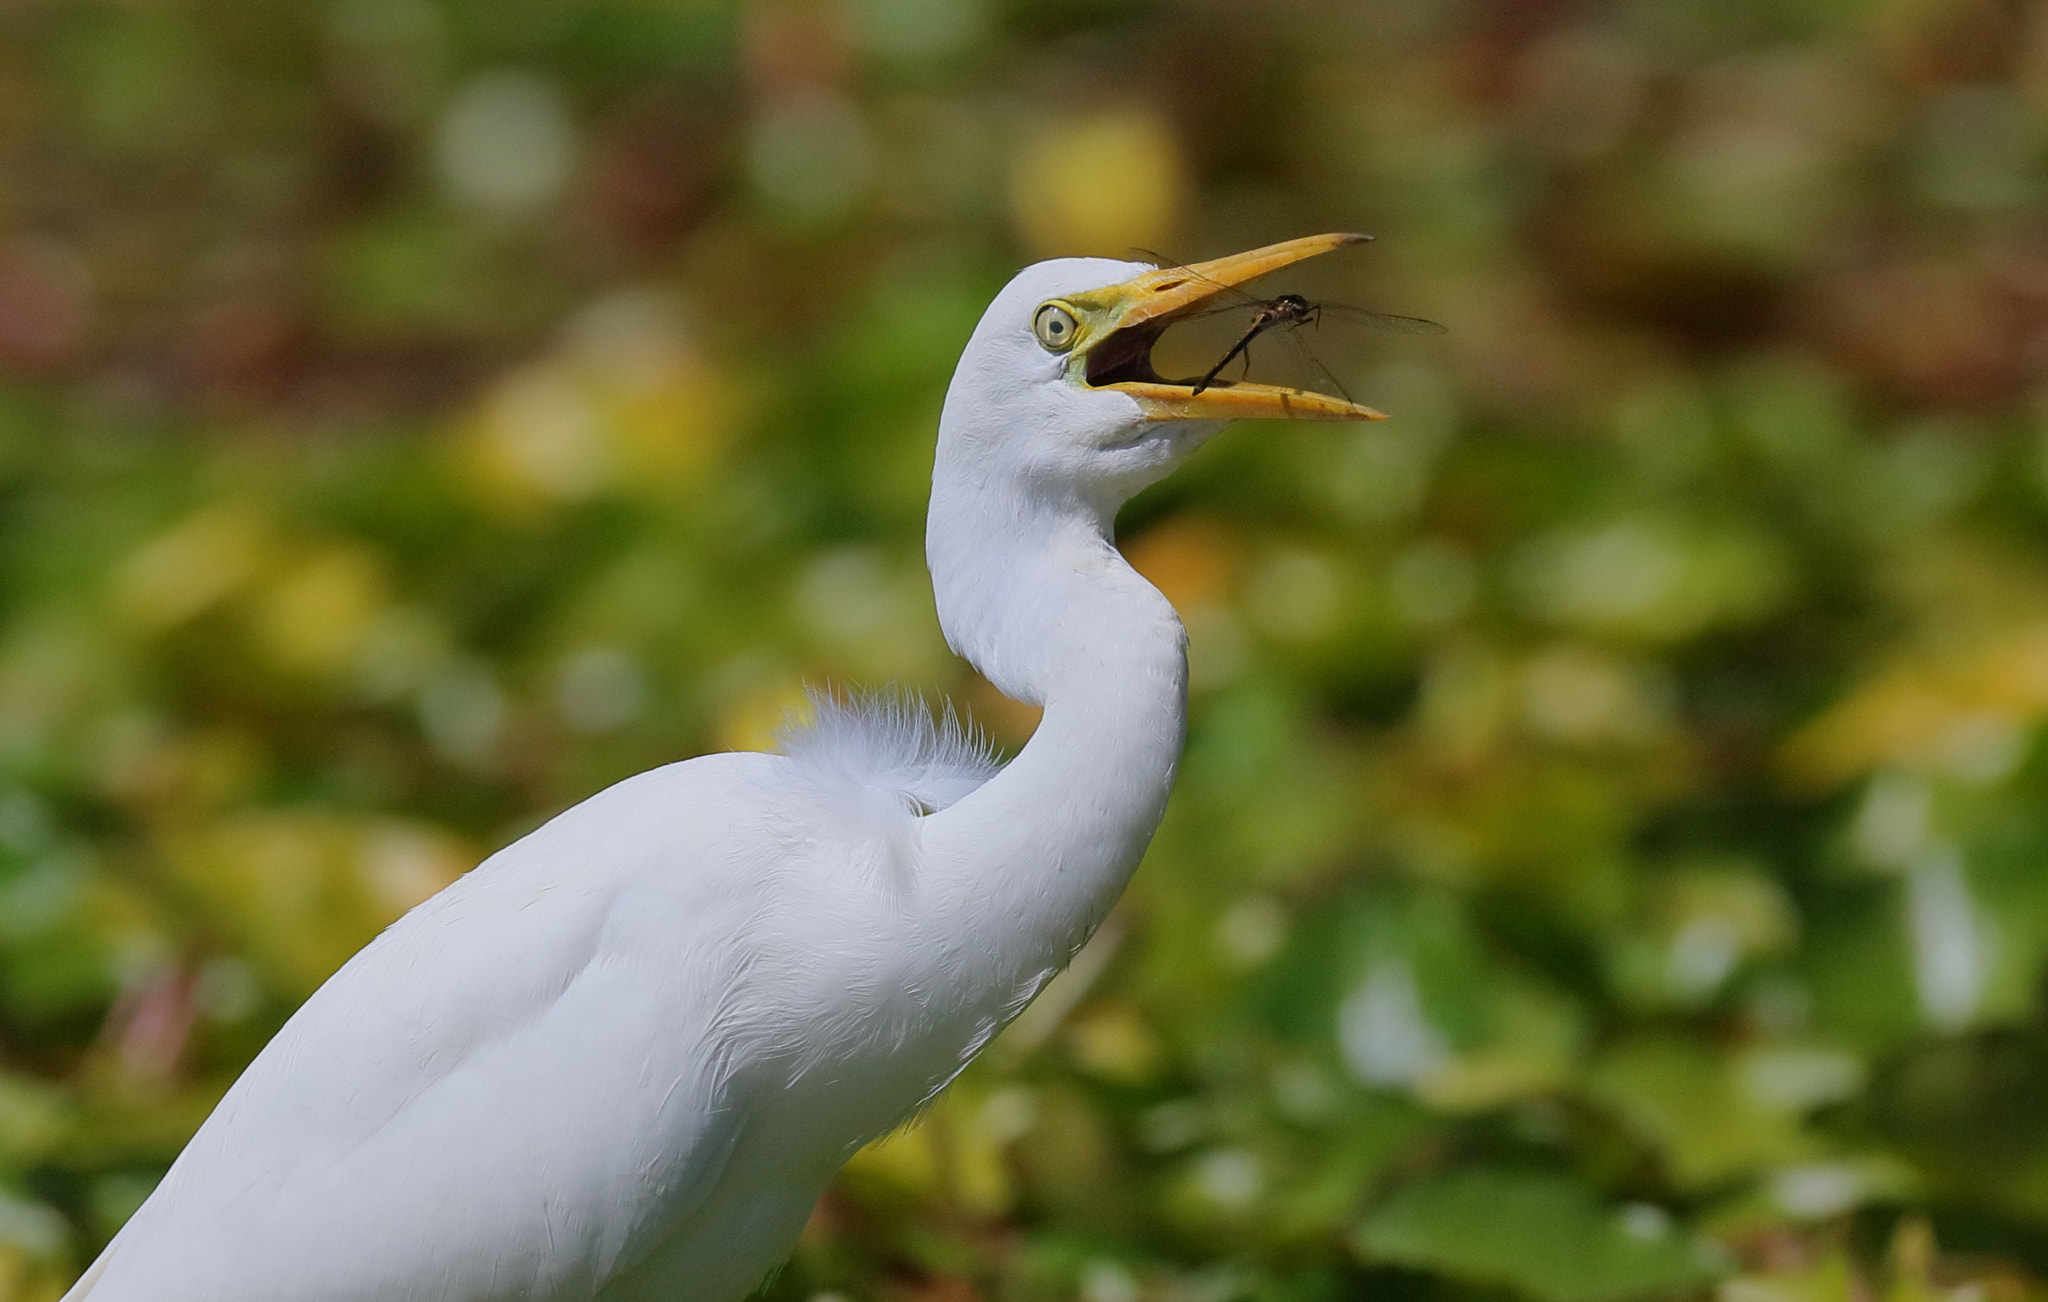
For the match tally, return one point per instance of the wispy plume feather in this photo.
(889, 742)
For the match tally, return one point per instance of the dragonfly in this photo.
(1288, 313)
(1292, 311)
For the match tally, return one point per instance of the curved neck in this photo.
(1043, 604)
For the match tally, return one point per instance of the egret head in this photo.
(1055, 394)
(1054, 419)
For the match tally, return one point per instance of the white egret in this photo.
(623, 1057)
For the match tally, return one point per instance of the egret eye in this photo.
(1055, 327)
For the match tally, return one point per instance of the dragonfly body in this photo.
(1289, 310)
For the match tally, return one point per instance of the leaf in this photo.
(1541, 1235)
(1690, 1101)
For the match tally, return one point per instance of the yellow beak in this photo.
(1121, 323)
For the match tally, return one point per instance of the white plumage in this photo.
(623, 1057)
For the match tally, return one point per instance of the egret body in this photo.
(622, 1058)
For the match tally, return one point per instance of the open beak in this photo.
(1125, 320)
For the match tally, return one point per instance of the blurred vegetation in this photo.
(1610, 856)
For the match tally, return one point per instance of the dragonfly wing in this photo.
(1312, 362)
(1238, 299)
(1239, 307)
(1406, 325)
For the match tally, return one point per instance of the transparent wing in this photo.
(1314, 363)
(1239, 305)
(1405, 325)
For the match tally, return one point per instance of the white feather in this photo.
(887, 742)
(621, 1058)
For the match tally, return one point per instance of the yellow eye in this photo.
(1055, 327)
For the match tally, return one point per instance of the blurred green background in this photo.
(1610, 856)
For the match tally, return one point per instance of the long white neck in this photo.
(1031, 590)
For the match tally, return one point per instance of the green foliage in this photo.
(1544, 1236)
